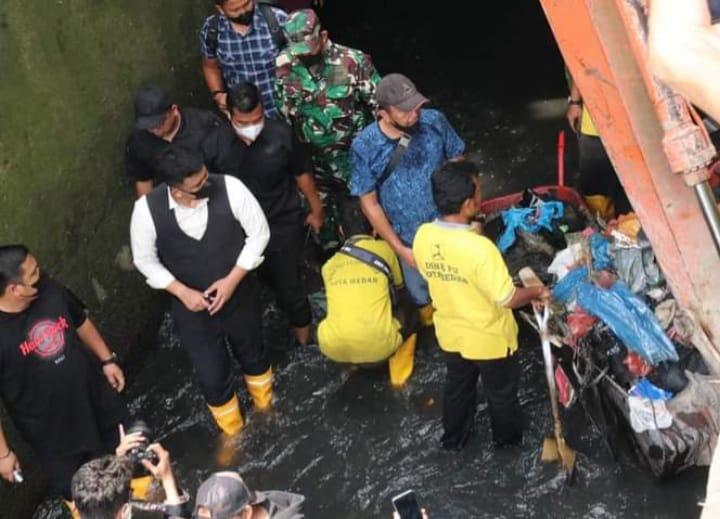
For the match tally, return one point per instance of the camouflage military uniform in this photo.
(329, 105)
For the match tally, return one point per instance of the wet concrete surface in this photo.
(343, 437)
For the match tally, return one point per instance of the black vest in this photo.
(198, 263)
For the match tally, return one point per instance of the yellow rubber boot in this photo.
(260, 389)
(228, 416)
(140, 488)
(402, 362)
(600, 205)
(426, 315)
(73, 511)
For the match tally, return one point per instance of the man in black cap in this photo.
(224, 495)
(158, 123)
(392, 161)
(199, 236)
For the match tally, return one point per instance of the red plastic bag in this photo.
(636, 365)
(566, 392)
(580, 324)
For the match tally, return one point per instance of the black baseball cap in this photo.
(151, 105)
(399, 92)
(224, 495)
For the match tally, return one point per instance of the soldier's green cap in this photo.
(301, 31)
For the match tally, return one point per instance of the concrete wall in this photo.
(67, 72)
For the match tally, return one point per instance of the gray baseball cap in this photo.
(399, 92)
(224, 495)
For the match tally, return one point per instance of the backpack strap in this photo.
(371, 260)
(278, 37)
(211, 38)
(394, 161)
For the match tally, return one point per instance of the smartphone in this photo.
(407, 506)
(714, 6)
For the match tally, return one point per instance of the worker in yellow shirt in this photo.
(370, 317)
(473, 295)
(598, 183)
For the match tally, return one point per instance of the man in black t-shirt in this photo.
(58, 378)
(266, 155)
(158, 123)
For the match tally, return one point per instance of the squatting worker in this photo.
(473, 295)
(267, 157)
(198, 236)
(58, 378)
(238, 44)
(392, 161)
(327, 92)
(159, 123)
(370, 318)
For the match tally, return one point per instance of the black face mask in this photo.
(311, 60)
(410, 130)
(204, 191)
(243, 19)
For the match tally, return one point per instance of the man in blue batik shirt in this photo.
(237, 45)
(399, 200)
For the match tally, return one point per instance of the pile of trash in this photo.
(624, 349)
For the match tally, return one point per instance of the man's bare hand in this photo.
(129, 442)
(314, 220)
(193, 300)
(574, 113)
(115, 376)
(8, 465)
(161, 471)
(406, 254)
(220, 293)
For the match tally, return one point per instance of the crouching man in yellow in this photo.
(370, 318)
(199, 236)
(472, 293)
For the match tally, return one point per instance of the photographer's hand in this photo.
(163, 473)
(128, 442)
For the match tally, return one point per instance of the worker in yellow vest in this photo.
(599, 184)
(370, 317)
(473, 295)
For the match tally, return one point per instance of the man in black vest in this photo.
(198, 236)
(267, 157)
(58, 378)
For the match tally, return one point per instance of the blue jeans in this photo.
(416, 285)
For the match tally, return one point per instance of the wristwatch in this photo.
(572, 101)
(113, 359)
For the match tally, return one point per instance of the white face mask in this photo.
(250, 132)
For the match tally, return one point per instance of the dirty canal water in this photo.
(344, 438)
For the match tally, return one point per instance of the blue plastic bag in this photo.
(646, 389)
(600, 250)
(528, 219)
(565, 290)
(629, 319)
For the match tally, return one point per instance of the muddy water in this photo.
(344, 438)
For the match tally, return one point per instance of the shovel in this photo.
(555, 448)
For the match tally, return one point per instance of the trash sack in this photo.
(648, 415)
(691, 438)
(637, 366)
(531, 219)
(600, 250)
(669, 376)
(637, 267)
(646, 389)
(628, 317)
(565, 260)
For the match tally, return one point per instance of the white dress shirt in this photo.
(193, 222)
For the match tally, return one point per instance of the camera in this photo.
(140, 453)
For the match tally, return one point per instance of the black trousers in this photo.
(406, 312)
(207, 338)
(597, 174)
(281, 273)
(500, 378)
